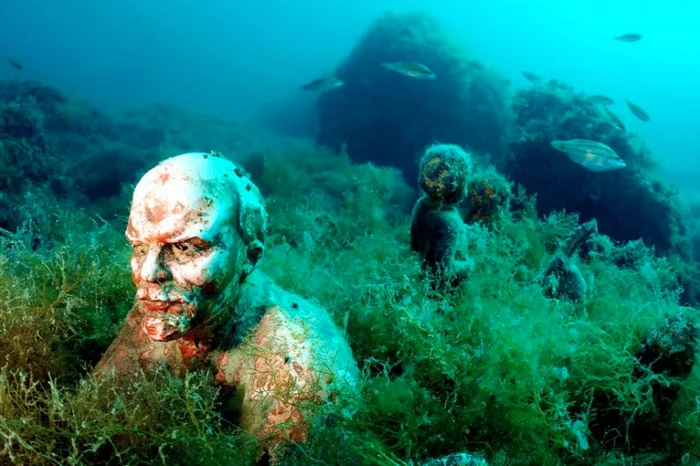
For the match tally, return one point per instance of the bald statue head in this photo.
(197, 228)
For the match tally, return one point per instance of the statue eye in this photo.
(190, 247)
(140, 249)
(182, 247)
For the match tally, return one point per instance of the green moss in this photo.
(143, 422)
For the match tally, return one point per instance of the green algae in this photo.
(495, 368)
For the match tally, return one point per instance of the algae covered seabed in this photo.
(497, 367)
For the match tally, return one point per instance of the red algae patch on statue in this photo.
(164, 177)
(179, 207)
(191, 349)
(291, 384)
(155, 210)
(283, 370)
(221, 367)
(288, 415)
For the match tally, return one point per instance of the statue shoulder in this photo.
(300, 329)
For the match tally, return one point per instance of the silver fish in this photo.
(601, 99)
(638, 111)
(477, 65)
(519, 102)
(323, 84)
(630, 37)
(592, 155)
(617, 123)
(410, 69)
(16, 63)
(532, 77)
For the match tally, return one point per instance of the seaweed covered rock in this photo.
(62, 115)
(175, 130)
(53, 142)
(438, 232)
(28, 166)
(666, 357)
(629, 204)
(388, 118)
(23, 145)
(670, 349)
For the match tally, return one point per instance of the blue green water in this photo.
(234, 59)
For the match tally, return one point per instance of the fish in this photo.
(629, 37)
(617, 123)
(324, 84)
(532, 77)
(638, 111)
(520, 102)
(601, 99)
(410, 69)
(15, 63)
(477, 65)
(592, 155)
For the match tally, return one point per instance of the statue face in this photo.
(187, 254)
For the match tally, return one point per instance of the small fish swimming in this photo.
(532, 77)
(477, 65)
(592, 155)
(601, 99)
(520, 102)
(629, 37)
(638, 111)
(617, 123)
(15, 63)
(323, 84)
(410, 69)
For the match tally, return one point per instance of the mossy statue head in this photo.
(197, 228)
(445, 170)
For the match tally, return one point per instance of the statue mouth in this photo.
(160, 306)
(165, 320)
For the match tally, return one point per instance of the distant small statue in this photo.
(197, 227)
(561, 277)
(438, 232)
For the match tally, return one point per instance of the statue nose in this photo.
(153, 269)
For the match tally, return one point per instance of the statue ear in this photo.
(255, 252)
(253, 223)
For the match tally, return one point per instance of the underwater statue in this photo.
(562, 279)
(438, 232)
(197, 227)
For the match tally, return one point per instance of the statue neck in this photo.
(242, 313)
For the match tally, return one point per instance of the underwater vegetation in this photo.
(497, 367)
(568, 340)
